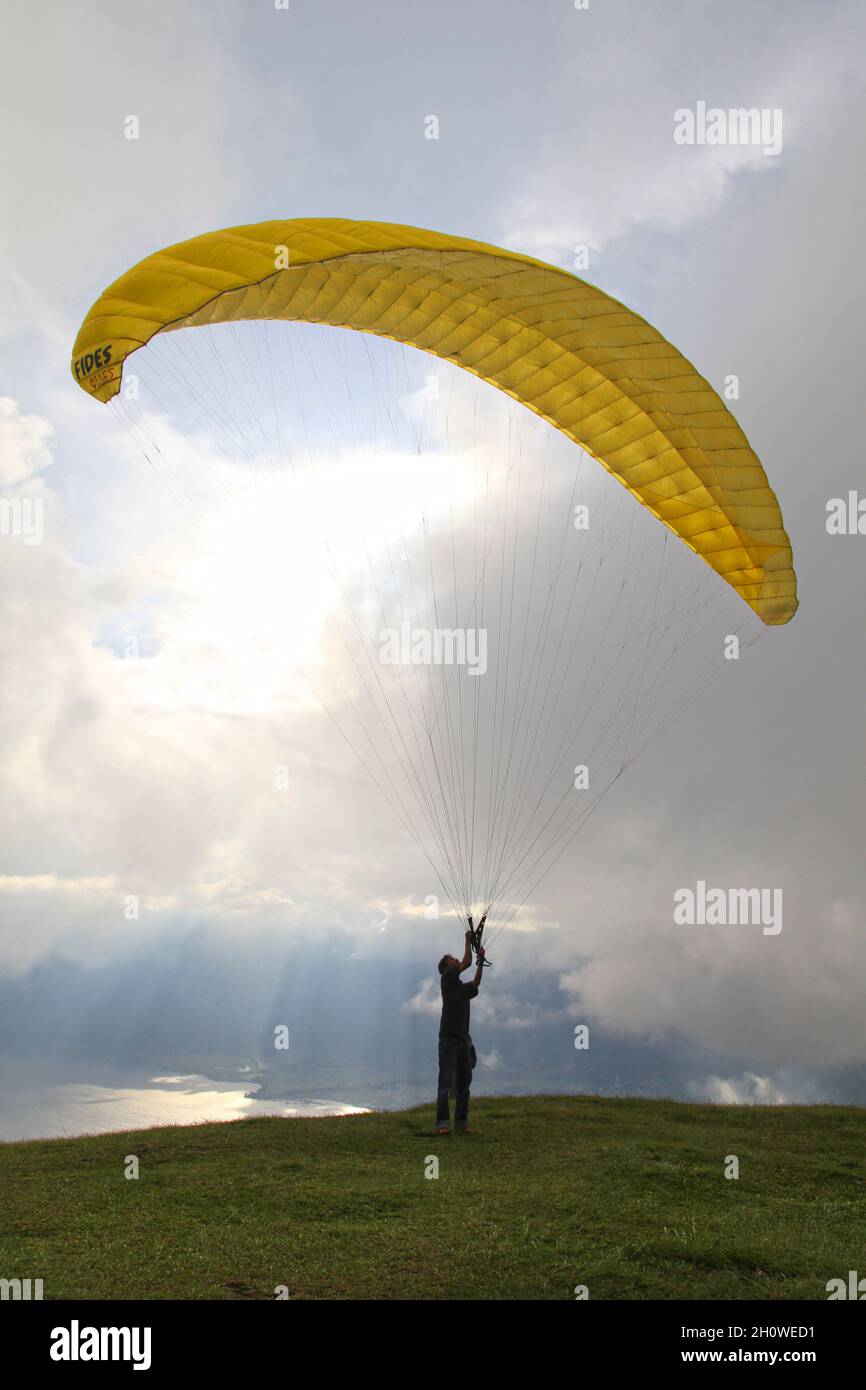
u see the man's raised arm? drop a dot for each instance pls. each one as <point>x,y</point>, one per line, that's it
<point>479,969</point>
<point>467,954</point>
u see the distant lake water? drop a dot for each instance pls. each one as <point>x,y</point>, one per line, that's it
<point>44,1098</point>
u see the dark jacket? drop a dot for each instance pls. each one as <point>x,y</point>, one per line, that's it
<point>456,997</point>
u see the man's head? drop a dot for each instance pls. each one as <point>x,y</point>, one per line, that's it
<point>448,963</point>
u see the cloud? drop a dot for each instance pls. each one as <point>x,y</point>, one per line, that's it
<point>25,443</point>
<point>426,1000</point>
<point>153,774</point>
<point>609,167</point>
<point>750,1089</point>
<point>793,997</point>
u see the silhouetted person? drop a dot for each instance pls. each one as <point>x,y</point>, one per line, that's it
<point>456,1053</point>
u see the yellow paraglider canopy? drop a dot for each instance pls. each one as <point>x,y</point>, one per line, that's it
<point>592,368</point>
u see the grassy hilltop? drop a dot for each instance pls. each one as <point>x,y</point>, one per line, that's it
<point>625,1196</point>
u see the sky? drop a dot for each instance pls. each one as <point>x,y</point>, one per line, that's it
<point>153,779</point>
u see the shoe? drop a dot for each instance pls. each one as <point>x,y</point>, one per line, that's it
<point>464,1129</point>
<point>443,1129</point>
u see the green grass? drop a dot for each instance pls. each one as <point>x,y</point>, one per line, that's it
<point>625,1196</point>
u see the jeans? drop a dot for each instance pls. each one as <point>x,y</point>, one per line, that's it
<point>455,1071</point>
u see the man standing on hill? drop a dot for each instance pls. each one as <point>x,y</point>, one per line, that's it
<point>456,1053</point>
